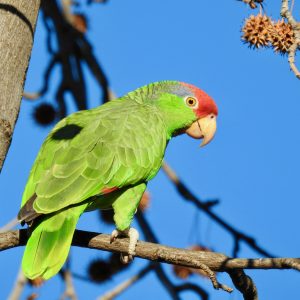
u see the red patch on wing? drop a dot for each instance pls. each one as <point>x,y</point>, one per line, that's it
<point>206,104</point>
<point>108,190</point>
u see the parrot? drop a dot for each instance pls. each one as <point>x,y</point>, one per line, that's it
<point>103,158</point>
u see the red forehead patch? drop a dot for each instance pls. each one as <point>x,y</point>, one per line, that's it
<point>206,104</point>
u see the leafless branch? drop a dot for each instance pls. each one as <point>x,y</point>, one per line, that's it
<point>159,271</point>
<point>244,284</point>
<point>126,284</point>
<point>31,96</point>
<point>69,292</point>
<point>9,225</point>
<point>206,207</point>
<point>155,252</point>
<point>286,13</point>
<point>18,287</point>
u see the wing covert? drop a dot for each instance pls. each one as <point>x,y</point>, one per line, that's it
<point>116,146</point>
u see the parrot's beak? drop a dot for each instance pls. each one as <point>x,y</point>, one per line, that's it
<point>204,128</point>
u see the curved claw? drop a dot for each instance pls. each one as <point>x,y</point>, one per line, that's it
<point>133,236</point>
<point>126,258</point>
<point>115,233</point>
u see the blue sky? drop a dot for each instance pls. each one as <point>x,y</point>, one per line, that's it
<point>252,165</point>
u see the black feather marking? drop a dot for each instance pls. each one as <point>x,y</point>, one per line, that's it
<point>67,132</point>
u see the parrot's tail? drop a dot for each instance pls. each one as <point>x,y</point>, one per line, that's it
<point>49,244</point>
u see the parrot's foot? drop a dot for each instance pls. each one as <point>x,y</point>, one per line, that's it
<point>133,236</point>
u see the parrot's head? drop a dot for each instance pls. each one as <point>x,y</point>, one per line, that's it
<point>185,108</point>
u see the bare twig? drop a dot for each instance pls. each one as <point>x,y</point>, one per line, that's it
<point>47,73</point>
<point>69,292</point>
<point>10,225</point>
<point>159,271</point>
<point>188,195</point>
<point>18,287</point>
<point>73,50</point>
<point>286,13</point>
<point>66,9</point>
<point>194,288</point>
<point>126,284</point>
<point>31,96</point>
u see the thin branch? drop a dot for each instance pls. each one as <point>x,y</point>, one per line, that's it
<point>194,288</point>
<point>66,9</point>
<point>10,225</point>
<point>116,291</point>
<point>188,195</point>
<point>286,13</point>
<point>159,271</point>
<point>244,284</point>
<point>69,292</point>
<point>44,89</point>
<point>18,287</point>
<point>159,253</point>
<point>31,96</point>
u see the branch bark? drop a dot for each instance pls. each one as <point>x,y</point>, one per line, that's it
<point>156,252</point>
<point>17,25</point>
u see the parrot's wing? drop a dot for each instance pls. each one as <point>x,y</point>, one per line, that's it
<point>91,151</point>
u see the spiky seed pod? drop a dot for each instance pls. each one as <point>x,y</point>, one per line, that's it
<point>99,270</point>
<point>44,114</point>
<point>145,201</point>
<point>256,31</point>
<point>281,36</point>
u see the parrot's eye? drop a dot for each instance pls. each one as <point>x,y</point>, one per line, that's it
<point>191,101</point>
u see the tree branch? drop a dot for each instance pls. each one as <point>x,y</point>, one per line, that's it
<point>159,271</point>
<point>160,253</point>
<point>17,24</point>
<point>287,14</point>
<point>18,287</point>
<point>206,207</point>
<point>120,288</point>
<point>244,284</point>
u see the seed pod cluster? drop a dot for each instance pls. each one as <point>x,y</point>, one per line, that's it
<point>260,31</point>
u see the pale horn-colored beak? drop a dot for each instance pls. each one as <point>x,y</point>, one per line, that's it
<point>204,128</point>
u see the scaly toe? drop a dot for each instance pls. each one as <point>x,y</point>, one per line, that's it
<point>133,238</point>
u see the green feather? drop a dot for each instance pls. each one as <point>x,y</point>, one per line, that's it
<point>120,144</point>
<point>49,244</point>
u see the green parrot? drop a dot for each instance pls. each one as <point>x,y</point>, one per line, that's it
<point>103,158</point>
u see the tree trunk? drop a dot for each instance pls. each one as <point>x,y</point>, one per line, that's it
<point>17,25</point>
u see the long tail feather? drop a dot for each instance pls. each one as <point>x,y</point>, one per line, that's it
<point>49,244</point>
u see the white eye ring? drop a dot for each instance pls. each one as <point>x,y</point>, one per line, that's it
<point>191,101</point>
